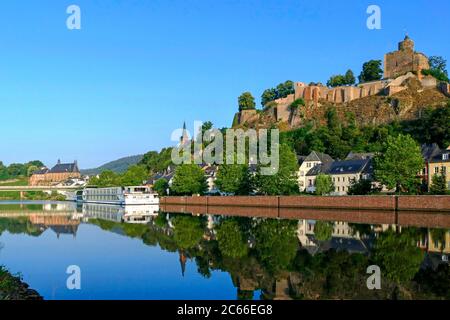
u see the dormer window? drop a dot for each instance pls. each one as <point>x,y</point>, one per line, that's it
<point>445,156</point>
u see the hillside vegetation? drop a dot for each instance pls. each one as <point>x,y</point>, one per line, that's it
<point>118,166</point>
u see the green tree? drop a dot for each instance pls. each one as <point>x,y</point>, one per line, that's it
<point>233,178</point>
<point>297,104</point>
<point>134,176</point>
<point>284,181</point>
<point>371,71</point>
<point>285,89</point>
<point>31,169</point>
<point>189,179</point>
<point>246,101</point>
<point>360,187</point>
<point>17,169</point>
<point>161,186</point>
<point>439,75</point>
<point>336,81</point>
<point>397,255</point>
<point>268,95</point>
<point>157,161</point>
<point>232,242</point>
<point>438,184</point>
<point>324,184</point>
<point>107,178</point>
<point>399,162</point>
<point>349,78</point>
<point>439,64</point>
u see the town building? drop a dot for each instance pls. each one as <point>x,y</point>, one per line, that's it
<point>307,163</point>
<point>343,173</point>
<point>347,172</point>
<point>58,174</point>
<point>437,161</point>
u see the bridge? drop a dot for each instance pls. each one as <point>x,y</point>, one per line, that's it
<point>68,190</point>
<point>40,188</point>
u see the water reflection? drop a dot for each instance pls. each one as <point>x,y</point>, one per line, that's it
<point>274,258</point>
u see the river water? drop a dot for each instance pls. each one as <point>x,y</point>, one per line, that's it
<point>143,253</point>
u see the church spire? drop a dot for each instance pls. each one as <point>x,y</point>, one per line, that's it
<point>184,137</point>
<point>182,262</point>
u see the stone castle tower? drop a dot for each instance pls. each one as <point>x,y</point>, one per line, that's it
<point>404,60</point>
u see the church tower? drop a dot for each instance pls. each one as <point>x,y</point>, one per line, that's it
<point>184,139</point>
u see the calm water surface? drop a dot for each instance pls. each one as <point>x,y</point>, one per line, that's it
<point>141,253</point>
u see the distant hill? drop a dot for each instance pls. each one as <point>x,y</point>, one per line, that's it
<point>119,166</point>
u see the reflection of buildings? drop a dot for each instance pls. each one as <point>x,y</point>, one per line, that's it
<point>437,241</point>
<point>58,223</point>
<point>343,237</point>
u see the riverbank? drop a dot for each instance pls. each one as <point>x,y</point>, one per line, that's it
<point>13,288</point>
<point>31,195</point>
<point>390,203</point>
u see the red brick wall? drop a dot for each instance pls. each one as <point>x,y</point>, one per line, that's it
<point>433,203</point>
<point>356,202</point>
<point>438,203</point>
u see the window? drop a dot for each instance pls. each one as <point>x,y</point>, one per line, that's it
<point>445,156</point>
<point>443,169</point>
<point>436,170</point>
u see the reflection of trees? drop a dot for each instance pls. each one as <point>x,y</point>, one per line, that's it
<point>397,255</point>
<point>439,236</point>
<point>231,239</point>
<point>20,225</point>
<point>436,281</point>
<point>276,243</point>
<point>188,231</point>
<point>323,230</point>
<point>273,258</point>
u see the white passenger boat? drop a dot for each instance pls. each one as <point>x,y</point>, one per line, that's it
<point>135,195</point>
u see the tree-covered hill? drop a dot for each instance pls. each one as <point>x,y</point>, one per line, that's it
<point>119,166</point>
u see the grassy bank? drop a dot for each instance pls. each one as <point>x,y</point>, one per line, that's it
<point>31,195</point>
<point>22,181</point>
<point>13,288</point>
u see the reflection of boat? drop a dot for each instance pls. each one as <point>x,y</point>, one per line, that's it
<point>140,214</point>
<point>139,195</point>
<point>116,213</point>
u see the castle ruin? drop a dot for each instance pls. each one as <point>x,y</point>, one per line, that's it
<point>399,66</point>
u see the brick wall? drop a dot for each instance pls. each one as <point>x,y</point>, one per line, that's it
<point>431,203</point>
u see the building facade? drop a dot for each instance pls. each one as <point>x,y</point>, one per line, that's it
<point>343,173</point>
<point>59,173</point>
<point>437,162</point>
<point>307,163</point>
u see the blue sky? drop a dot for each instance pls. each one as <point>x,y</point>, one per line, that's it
<point>138,68</point>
